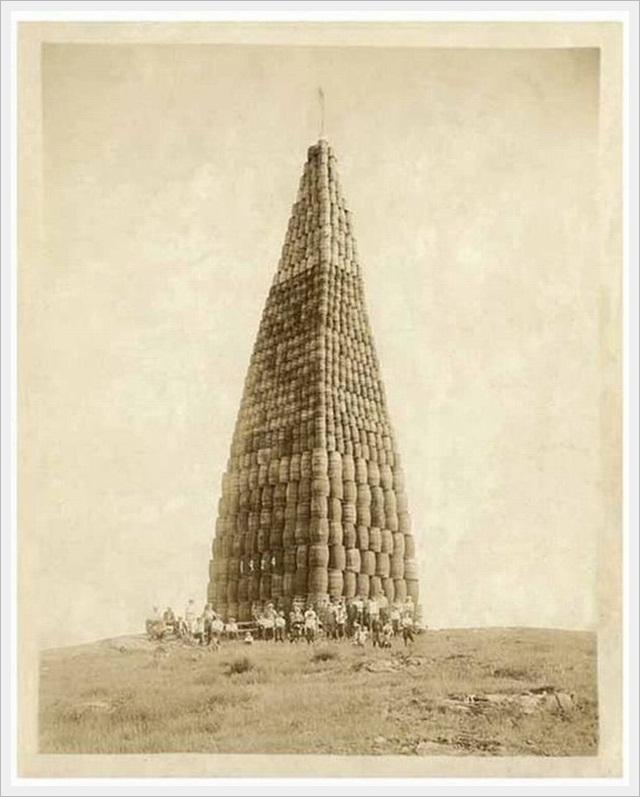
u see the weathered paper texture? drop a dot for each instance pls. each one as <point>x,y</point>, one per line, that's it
<point>146,248</point>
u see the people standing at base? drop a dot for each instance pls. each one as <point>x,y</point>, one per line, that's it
<point>216,629</point>
<point>395,616</point>
<point>407,628</point>
<point>409,607</point>
<point>296,623</point>
<point>268,622</point>
<point>386,635</point>
<point>360,634</point>
<point>198,630</point>
<point>207,616</point>
<point>231,629</point>
<point>376,632</point>
<point>358,607</point>
<point>279,626</point>
<point>169,619</point>
<point>310,624</point>
<point>190,616</point>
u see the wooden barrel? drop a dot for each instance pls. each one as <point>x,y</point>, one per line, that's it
<point>303,510</point>
<point>294,467</point>
<point>275,539</point>
<point>290,558</point>
<point>335,509</point>
<point>362,585</point>
<point>288,584</point>
<point>373,473</point>
<point>349,584</point>
<point>335,581</point>
<point>400,587</point>
<point>353,560</point>
<point>388,587</point>
<point>337,557</point>
<point>244,612</point>
<point>396,566</point>
<point>362,471</point>
<point>305,465</point>
<point>404,522</point>
<point>349,491</point>
<point>284,470</point>
<point>301,533</point>
<point>319,531</point>
<point>319,462</point>
<point>277,581</point>
<point>301,582</point>
<point>410,570</point>
<point>398,544</point>
<point>232,590</point>
<point>375,539</point>
<point>368,566</point>
<point>391,521</point>
<point>243,588</point>
<point>349,536</point>
<point>363,516</point>
<point>318,580</point>
<point>375,588</point>
<point>409,546</point>
<point>348,468</point>
<point>413,589</point>
<point>320,486</point>
<point>390,502</point>
<point>387,541</point>
<point>363,497</point>
<point>348,512</point>
<point>386,477</point>
<point>336,487</point>
<point>265,586</point>
<point>302,557</point>
<point>363,537</point>
<point>319,506</point>
<point>383,565</point>
<point>318,556</point>
<point>335,465</point>
<point>304,489</point>
<point>336,533</point>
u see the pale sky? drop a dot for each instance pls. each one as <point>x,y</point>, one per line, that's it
<point>170,171</point>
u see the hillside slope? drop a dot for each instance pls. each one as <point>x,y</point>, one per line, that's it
<point>454,692</point>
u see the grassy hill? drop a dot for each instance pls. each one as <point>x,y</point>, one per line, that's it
<point>454,692</point>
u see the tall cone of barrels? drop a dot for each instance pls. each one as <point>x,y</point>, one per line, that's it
<point>312,504</point>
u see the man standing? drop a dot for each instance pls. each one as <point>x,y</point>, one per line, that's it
<point>407,628</point>
<point>310,624</point>
<point>280,624</point>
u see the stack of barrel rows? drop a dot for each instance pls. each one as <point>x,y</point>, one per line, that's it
<point>320,228</point>
<point>313,500</point>
<point>311,525</point>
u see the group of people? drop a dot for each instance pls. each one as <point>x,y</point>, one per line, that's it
<point>206,628</point>
<point>356,619</point>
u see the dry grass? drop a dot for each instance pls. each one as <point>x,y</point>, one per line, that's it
<point>131,696</point>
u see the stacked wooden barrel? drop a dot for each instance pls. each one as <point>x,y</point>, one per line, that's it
<point>313,501</point>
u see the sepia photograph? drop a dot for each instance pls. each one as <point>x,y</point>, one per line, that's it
<point>320,399</point>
